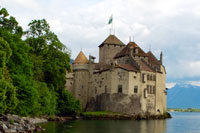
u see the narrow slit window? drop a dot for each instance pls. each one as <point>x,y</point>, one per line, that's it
<point>119,88</point>
<point>136,89</point>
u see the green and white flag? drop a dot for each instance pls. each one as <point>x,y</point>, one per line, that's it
<point>110,20</point>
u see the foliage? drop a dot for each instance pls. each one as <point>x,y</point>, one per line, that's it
<point>32,71</point>
<point>67,105</point>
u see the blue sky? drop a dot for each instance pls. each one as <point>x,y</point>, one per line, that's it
<point>171,26</point>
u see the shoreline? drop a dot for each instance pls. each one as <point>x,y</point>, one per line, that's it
<point>14,123</point>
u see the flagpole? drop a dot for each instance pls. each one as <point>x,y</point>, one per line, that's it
<point>112,23</point>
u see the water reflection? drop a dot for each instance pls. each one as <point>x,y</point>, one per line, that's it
<point>107,126</point>
<point>180,123</point>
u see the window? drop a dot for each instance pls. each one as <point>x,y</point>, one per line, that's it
<point>147,89</point>
<point>154,90</point>
<point>151,77</point>
<point>136,89</point>
<point>143,78</point>
<point>147,76</point>
<point>119,88</point>
<point>150,89</point>
<point>154,77</point>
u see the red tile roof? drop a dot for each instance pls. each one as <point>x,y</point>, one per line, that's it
<point>152,59</point>
<point>81,59</point>
<point>126,50</point>
<point>127,67</point>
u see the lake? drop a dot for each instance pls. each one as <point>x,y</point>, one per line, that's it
<point>182,122</point>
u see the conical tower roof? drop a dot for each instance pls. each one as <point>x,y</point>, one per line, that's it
<point>81,59</point>
<point>112,39</point>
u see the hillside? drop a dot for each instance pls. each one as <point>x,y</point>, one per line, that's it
<point>183,96</point>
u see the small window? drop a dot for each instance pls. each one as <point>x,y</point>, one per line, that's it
<point>135,89</point>
<point>151,89</point>
<point>154,90</point>
<point>154,77</point>
<point>151,77</point>
<point>119,88</point>
<point>148,77</point>
<point>147,89</point>
<point>143,78</point>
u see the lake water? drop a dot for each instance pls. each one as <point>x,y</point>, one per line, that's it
<point>182,122</point>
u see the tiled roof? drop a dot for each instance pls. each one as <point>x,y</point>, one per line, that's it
<point>127,67</point>
<point>99,66</point>
<point>126,50</point>
<point>81,59</point>
<point>112,39</point>
<point>152,59</point>
<point>144,66</point>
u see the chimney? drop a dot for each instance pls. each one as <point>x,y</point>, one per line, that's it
<point>161,58</point>
<point>131,51</point>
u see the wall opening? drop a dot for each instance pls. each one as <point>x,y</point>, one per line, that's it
<point>136,89</point>
<point>119,88</point>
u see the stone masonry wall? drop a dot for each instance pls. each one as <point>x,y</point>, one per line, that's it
<point>107,52</point>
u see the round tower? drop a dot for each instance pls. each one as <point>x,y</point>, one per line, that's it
<point>80,69</point>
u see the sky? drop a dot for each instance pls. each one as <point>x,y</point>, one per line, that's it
<point>170,26</point>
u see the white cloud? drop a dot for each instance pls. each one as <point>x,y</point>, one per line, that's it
<point>171,26</point>
<point>170,85</point>
<point>195,83</point>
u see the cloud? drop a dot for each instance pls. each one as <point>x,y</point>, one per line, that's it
<point>171,26</point>
<point>195,83</point>
<point>170,85</point>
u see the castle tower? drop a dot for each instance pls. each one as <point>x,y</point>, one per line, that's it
<point>109,48</point>
<point>81,77</point>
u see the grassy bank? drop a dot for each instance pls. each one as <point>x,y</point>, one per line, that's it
<point>102,115</point>
<point>99,114</point>
<point>183,110</point>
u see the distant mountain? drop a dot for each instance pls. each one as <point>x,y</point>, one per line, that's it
<point>183,96</point>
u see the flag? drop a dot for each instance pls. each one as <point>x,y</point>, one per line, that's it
<point>110,20</point>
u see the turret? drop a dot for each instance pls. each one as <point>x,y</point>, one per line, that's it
<point>81,78</point>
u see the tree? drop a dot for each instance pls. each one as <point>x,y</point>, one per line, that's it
<point>32,72</point>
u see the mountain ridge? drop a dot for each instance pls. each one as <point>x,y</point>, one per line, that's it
<point>183,96</point>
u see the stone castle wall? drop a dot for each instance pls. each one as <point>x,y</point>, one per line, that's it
<point>108,51</point>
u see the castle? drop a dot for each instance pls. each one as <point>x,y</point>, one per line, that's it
<point>126,79</point>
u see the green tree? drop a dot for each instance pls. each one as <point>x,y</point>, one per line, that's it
<point>67,104</point>
<point>8,99</point>
<point>54,60</point>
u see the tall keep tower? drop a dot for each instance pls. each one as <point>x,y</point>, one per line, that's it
<point>109,48</point>
<point>81,76</point>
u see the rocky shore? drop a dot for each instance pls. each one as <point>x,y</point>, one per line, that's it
<point>16,124</point>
